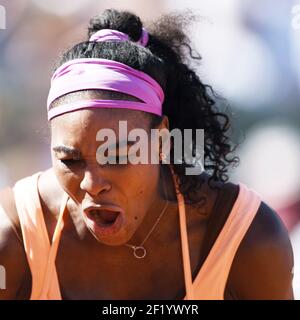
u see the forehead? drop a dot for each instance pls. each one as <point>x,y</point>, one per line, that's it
<point>77,127</point>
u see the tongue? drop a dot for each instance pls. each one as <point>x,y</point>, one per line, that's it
<point>104,216</point>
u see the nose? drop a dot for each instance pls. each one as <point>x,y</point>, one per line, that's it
<point>94,183</point>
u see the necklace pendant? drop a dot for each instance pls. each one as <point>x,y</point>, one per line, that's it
<point>142,253</point>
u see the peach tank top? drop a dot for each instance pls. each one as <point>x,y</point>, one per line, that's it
<point>209,283</point>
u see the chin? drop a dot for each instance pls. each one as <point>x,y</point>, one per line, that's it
<point>109,241</point>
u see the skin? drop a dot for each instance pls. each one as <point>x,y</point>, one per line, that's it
<point>88,182</point>
<point>261,268</point>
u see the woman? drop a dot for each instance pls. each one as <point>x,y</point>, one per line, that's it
<point>137,231</point>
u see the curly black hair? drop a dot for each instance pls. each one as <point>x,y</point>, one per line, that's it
<point>168,58</point>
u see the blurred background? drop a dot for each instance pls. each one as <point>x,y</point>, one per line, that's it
<point>251,56</point>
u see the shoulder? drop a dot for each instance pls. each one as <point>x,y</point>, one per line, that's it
<point>12,257</point>
<point>12,252</point>
<point>8,198</point>
<point>263,265</point>
<point>50,192</point>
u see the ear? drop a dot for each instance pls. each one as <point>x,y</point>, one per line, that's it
<point>164,123</point>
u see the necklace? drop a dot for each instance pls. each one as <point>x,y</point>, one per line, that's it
<point>140,248</point>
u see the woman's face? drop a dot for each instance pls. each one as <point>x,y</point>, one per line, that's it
<point>129,188</point>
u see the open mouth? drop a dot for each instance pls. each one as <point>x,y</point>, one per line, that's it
<point>103,217</point>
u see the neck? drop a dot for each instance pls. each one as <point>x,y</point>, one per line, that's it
<point>160,215</point>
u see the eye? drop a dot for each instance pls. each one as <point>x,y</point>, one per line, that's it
<point>70,162</point>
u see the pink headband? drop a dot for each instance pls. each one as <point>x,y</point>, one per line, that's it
<point>108,34</point>
<point>96,73</point>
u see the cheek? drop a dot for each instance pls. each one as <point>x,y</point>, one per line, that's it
<point>144,185</point>
<point>68,180</point>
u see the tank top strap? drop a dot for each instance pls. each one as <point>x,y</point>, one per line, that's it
<point>40,254</point>
<point>184,240</point>
<point>51,284</point>
<point>34,232</point>
<point>211,280</point>
<point>221,209</point>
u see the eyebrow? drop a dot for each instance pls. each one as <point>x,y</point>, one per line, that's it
<point>76,153</point>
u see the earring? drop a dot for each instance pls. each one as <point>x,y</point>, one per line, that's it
<point>162,157</point>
